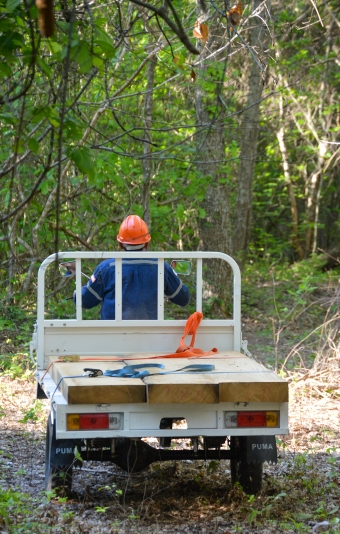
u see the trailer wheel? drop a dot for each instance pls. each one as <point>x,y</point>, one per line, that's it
<point>248,475</point>
<point>57,478</point>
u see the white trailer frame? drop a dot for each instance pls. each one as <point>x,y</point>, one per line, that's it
<point>65,337</point>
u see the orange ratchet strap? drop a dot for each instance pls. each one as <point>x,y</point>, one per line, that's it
<point>183,351</point>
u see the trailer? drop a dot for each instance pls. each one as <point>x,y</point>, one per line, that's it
<point>114,384</point>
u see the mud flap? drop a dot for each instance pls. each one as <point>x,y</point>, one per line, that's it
<point>261,449</point>
<point>40,393</point>
<point>62,452</point>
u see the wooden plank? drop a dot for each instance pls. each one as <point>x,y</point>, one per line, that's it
<point>257,390</point>
<point>186,393</point>
<point>110,391</point>
<point>96,390</point>
<point>235,378</point>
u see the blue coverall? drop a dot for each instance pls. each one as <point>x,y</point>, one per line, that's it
<point>139,289</point>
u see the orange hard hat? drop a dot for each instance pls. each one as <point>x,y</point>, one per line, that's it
<point>133,231</point>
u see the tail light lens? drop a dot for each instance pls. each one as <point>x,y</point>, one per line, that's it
<point>246,419</point>
<point>252,419</point>
<point>94,421</point>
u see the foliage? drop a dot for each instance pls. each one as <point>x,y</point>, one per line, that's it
<point>75,141</point>
<point>17,512</point>
<point>286,302</point>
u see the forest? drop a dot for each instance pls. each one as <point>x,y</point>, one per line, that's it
<point>218,124</point>
<point>222,136</point>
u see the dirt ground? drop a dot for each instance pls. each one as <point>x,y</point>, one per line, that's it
<point>300,494</point>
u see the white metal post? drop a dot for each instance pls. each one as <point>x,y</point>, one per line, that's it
<point>118,288</point>
<point>199,286</point>
<point>160,289</point>
<point>79,309</point>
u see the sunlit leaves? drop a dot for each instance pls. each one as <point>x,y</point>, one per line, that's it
<point>235,14</point>
<point>201,32</point>
<point>104,42</point>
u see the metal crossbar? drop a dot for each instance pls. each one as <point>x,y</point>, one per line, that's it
<point>121,329</point>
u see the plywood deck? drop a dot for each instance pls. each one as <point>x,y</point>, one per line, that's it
<point>236,378</point>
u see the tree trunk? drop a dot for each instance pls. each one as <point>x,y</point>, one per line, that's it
<point>290,186</point>
<point>313,192</point>
<point>215,227</point>
<point>147,161</point>
<point>248,146</point>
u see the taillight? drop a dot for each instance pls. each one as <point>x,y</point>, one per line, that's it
<point>251,419</point>
<point>93,421</point>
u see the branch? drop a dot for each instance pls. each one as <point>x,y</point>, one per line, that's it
<point>71,234</point>
<point>178,30</point>
<point>27,199</point>
<point>128,132</point>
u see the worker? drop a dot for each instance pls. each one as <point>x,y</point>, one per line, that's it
<point>139,278</point>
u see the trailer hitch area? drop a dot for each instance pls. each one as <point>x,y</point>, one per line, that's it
<point>92,373</point>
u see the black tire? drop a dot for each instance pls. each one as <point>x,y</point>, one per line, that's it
<point>58,479</point>
<point>248,475</point>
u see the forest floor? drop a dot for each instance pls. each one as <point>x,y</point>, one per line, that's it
<point>300,494</point>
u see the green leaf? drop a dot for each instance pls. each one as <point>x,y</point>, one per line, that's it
<point>82,159</point>
<point>8,118</point>
<point>63,25</point>
<point>18,148</point>
<point>44,67</point>
<point>99,63</point>
<point>72,129</point>
<point>300,516</point>
<point>107,48</point>
<point>52,115</point>
<point>105,42</point>
<point>11,5</point>
<point>5,70</point>
<point>56,49</point>
<point>102,35</point>
<point>84,58</point>
<point>33,145</point>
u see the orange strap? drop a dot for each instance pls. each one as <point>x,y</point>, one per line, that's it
<point>183,351</point>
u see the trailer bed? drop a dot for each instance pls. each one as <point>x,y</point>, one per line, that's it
<point>235,378</point>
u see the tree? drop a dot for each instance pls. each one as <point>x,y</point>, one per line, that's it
<point>250,129</point>
<point>215,226</point>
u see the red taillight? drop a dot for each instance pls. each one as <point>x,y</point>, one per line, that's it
<point>94,421</point>
<point>248,419</point>
<point>252,419</point>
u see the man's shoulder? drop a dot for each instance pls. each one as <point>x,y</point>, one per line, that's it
<point>105,264</point>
